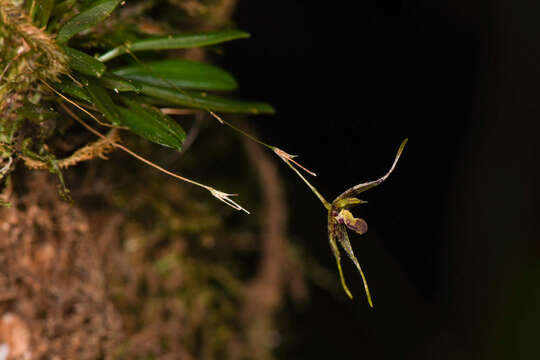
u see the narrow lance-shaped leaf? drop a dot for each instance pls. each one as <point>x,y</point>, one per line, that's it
<point>151,124</point>
<point>101,99</point>
<point>174,42</point>
<point>67,86</point>
<point>181,74</point>
<point>43,10</point>
<point>144,121</point>
<point>201,100</point>
<point>119,83</point>
<point>84,63</point>
<point>60,10</point>
<point>86,19</point>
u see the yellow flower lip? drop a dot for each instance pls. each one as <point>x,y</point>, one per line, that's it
<point>355,224</point>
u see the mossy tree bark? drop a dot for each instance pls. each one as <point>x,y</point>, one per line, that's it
<point>137,265</point>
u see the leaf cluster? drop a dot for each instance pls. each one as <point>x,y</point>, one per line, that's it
<point>126,94</point>
<point>88,68</point>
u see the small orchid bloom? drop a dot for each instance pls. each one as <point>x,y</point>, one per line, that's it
<point>340,218</point>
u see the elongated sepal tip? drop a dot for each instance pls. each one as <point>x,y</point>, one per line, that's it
<point>224,197</point>
<point>402,146</point>
<point>342,279</point>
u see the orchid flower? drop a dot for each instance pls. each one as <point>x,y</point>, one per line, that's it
<point>340,218</point>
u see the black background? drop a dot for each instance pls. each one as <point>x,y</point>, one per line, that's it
<point>451,253</point>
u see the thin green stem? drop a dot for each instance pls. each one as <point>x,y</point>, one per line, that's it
<point>312,188</point>
<point>248,135</point>
<point>111,54</point>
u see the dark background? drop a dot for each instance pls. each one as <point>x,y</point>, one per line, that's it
<point>451,254</point>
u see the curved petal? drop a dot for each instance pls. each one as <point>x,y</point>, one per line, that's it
<point>357,189</point>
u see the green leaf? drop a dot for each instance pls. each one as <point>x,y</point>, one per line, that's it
<point>63,7</point>
<point>86,19</point>
<point>67,86</point>
<point>202,100</point>
<point>118,83</point>
<point>59,12</point>
<point>143,120</point>
<point>181,74</point>
<point>85,4</point>
<point>43,12</point>
<point>101,99</point>
<point>174,42</point>
<point>151,124</point>
<point>84,63</point>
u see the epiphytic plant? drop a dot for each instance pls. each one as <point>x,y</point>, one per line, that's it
<point>49,80</point>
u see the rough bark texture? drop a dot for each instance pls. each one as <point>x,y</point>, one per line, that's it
<point>54,300</point>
